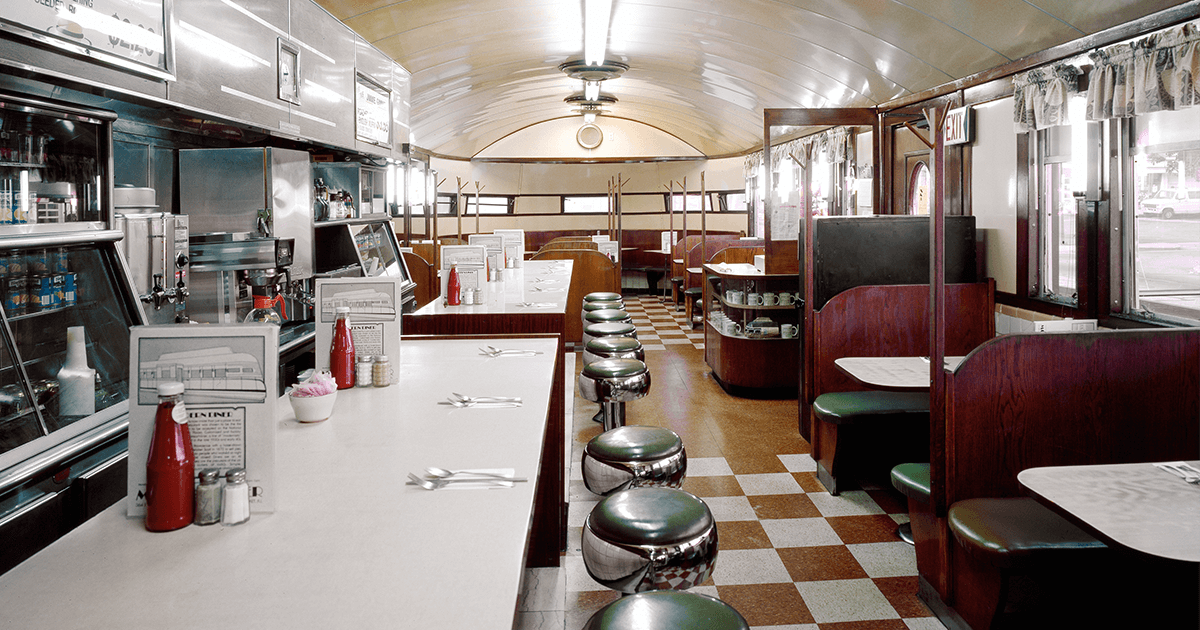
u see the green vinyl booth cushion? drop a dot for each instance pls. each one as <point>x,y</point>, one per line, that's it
<point>912,480</point>
<point>677,610</point>
<point>1017,532</point>
<point>853,407</point>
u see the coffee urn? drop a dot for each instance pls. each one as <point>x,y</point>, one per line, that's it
<point>156,251</point>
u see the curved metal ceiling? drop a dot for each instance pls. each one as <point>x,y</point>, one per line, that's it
<point>700,70</point>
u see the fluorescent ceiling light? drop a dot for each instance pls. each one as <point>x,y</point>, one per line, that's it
<point>589,117</point>
<point>591,90</point>
<point>595,29</point>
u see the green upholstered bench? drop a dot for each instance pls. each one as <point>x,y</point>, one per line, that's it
<point>912,480</point>
<point>667,609</point>
<point>862,432</point>
<point>1002,539</point>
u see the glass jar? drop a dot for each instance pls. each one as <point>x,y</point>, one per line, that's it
<point>363,371</point>
<point>235,499</point>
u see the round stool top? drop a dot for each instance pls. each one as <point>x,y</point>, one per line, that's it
<point>635,444</point>
<point>614,368</point>
<point>650,516</point>
<point>613,344</point>
<point>667,609</point>
<point>599,306</point>
<point>607,315</point>
<point>610,329</point>
<point>602,296</point>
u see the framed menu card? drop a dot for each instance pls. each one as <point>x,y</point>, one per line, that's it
<point>230,375</point>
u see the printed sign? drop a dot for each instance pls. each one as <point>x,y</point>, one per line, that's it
<point>373,106</point>
<point>374,316</point>
<point>128,33</point>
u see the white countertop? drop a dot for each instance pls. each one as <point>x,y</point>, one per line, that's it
<point>350,546</point>
<point>537,286</point>
<point>1134,505</point>
<point>892,373</point>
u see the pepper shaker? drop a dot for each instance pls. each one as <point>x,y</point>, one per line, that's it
<point>381,371</point>
<point>235,508</point>
<point>208,497</point>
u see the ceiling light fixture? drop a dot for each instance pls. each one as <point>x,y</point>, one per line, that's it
<point>596,14</point>
<point>591,90</point>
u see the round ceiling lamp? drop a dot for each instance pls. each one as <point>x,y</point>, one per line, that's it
<point>584,71</point>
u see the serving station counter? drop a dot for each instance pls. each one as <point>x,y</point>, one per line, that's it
<point>349,545</point>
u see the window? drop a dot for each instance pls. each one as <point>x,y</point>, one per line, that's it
<point>918,189</point>
<point>693,202</point>
<point>733,202</point>
<point>1061,174</point>
<point>596,204</point>
<point>484,205</point>
<point>1162,217</point>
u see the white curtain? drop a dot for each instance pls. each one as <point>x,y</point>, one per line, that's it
<point>1156,73</point>
<point>1040,96</point>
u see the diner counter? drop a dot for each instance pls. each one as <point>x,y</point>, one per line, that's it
<point>349,545</point>
<point>537,286</point>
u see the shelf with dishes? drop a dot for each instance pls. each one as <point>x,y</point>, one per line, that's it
<point>751,327</point>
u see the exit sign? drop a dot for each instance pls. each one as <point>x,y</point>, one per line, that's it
<point>957,129</point>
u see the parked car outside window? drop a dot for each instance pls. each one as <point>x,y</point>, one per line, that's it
<point>1169,203</point>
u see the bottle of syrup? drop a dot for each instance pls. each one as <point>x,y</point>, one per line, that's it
<point>453,287</point>
<point>341,353</point>
<point>171,465</point>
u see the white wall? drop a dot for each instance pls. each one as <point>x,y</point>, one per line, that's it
<point>557,139</point>
<point>994,189</point>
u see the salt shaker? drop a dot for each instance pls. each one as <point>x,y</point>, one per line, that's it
<point>235,500</point>
<point>362,371</point>
<point>208,497</point>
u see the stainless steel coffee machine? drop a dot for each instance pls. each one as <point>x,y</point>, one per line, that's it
<point>250,213</point>
<point>156,250</point>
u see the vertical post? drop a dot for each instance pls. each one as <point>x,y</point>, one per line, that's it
<point>478,188</point>
<point>458,205</point>
<point>620,229</point>
<point>937,311</point>
<point>432,220</point>
<point>703,222</point>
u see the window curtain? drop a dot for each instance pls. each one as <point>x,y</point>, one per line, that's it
<point>1156,73</point>
<point>1040,96</point>
<point>751,164</point>
<point>835,142</point>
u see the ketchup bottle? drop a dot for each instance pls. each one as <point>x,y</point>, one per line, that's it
<point>171,466</point>
<point>341,353</point>
<point>453,287</point>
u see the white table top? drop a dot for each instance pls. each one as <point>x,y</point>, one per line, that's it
<point>735,269</point>
<point>1133,505</point>
<point>537,286</point>
<point>892,373</point>
<point>350,546</point>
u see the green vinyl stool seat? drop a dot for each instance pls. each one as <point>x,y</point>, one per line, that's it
<point>608,329</point>
<point>613,382</point>
<point>633,456</point>
<point>912,480</point>
<point>676,610</point>
<point>645,539</point>
<point>602,296</point>
<point>612,348</point>
<point>599,306</point>
<point>607,316</point>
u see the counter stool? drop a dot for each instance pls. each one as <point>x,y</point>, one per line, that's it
<point>645,539</point>
<point>912,480</point>
<point>617,329</point>
<point>612,382</point>
<point>612,348</point>
<point>606,316</point>
<point>633,457</point>
<point>602,296</point>
<point>667,609</point>
<point>599,306</point>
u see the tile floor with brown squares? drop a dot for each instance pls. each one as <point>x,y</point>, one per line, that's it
<point>791,557</point>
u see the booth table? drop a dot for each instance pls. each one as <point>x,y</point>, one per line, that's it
<point>897,374</point>
<point>349,545</point>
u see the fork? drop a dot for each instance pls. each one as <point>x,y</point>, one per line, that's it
<point>1187,474</point>
<point>436,484</point>
<point>485,399</point>
<point>482,405</point>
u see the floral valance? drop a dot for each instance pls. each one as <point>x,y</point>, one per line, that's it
<point>835,142</point>
<point>1040,96</point>
<point>1156,73</point>
<point>751,164</point>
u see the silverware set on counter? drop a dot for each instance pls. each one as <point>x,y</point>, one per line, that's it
<point>437,478</point>
<point>493,351</point>
<point>456,399</point>
<point>1183,470</point>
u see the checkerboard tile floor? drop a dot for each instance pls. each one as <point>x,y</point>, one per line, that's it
<point>791,556</point>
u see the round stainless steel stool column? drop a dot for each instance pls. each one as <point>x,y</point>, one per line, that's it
<point>633,457</point>
<point>667,609</point>
<point>612,348</point>
<point>618,329</point>
<point>612,382</point>
<point>645,539</point>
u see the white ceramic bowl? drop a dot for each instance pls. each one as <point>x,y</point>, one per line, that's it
<point>313,408</point>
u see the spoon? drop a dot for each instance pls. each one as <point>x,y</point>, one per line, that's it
<point>488,405</point>
<point>436,484</point>
<point>442,473</point>
<point>470,399</point>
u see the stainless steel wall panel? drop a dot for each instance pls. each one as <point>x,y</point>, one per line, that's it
<point>327,51</point>
<point>227,58</point>
<point>401,106</point>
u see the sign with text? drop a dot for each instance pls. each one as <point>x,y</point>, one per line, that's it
<point>131,34</point>
<point>230,375</point>
<point>957,129</point>
<point>373,113</point>
<point>374,316</point>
